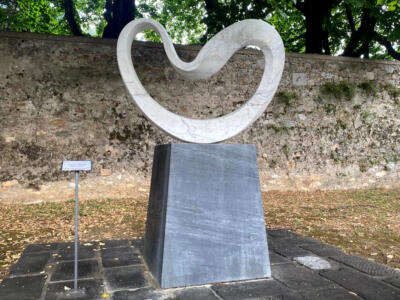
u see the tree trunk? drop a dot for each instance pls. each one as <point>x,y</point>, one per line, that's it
<point>70,14</point>
<point>212,20</point>
<point>314,33</point>
<point>210,5</point>
<point>317,15</point>
<point>118,13</point>
<point>363,35</point>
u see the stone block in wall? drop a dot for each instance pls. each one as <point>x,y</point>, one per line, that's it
<point>369,76</point>
<point>299,79</point>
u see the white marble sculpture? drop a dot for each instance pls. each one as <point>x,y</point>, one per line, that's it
<point>210,60</point>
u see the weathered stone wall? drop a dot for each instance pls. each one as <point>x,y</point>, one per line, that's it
<point>333,125</point>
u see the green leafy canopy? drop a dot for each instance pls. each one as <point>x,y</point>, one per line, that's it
<point>358,28</point>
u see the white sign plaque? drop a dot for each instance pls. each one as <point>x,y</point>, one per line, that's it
<point>76,165</point>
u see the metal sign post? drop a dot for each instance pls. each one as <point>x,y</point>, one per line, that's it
<point>73,165</point>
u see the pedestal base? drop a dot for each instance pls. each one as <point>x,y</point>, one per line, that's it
<point>205,220</point>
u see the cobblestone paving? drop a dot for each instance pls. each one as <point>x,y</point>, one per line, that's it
<point>302,268</point>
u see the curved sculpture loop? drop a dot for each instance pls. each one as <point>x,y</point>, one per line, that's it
<point>211,58</point>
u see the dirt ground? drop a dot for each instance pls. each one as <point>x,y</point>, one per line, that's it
<point>361,222</point>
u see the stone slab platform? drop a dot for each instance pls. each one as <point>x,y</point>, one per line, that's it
<point>302,268</point>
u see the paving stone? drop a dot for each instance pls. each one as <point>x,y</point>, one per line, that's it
<point>299,278</point>
<point>275,258</point>
<point>313,262</point>
<point>364,265</point>
<point>66,251</point>
<point>117,257</point>
<point>394,281</point>
<point>367,287</point>
<point>118,252</point>
<point>286,248</point>
<point>323,250</point>
<point>199,293</point>
<point>65,270</point>
<point>30,263</point>
<point>138,243</point>
<point>41,248</point>
<point>121,261</point>
<point>114,243</point>
<point>142,294</point>
<point>263,289</point>
<point>300,241</point>
<point>125,278</point>
<point>336,293</point>
<point>22,288</point>
<point>93,289</point>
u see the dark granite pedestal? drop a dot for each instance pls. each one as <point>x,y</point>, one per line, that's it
<point>205,220</point>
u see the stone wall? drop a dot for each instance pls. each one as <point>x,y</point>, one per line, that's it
<point>334,124</point>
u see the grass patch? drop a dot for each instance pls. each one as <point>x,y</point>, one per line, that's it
<point>365,163</point>
<point>287,97</point>
<point>369,88</point>
<point>393,91</point>
<point>330,108</point>
<point>341,124</point>
<point>278,129</point>
<point>339,90</point>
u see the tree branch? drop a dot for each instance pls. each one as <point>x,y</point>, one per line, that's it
<point>388,45</point>
<point>213,19</point>
<point>300,6</point>
<point>364,34</point>
<point>364,49</point>
<point>117,13</point>
<point>211,5</point>
<point>350,18</point>
<point>70,14</point>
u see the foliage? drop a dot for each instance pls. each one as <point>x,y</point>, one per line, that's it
<point>175,15</point>
<point>289,22</point>
<point>357,28</point>
<point>43,16</point>
<point>34,16</point>
<point>390,4</point>
<point>91,16</point>
<point>372,28</point>
<point>221,14</point>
